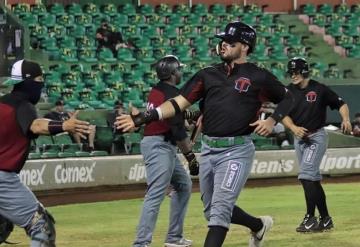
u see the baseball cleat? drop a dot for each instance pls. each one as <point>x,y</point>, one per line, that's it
<point>309,224</point>
<point>257,238</point>
<point>183,242</point>
<point>325,224</point>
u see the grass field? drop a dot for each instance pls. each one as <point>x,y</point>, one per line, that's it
<point>110,224</point>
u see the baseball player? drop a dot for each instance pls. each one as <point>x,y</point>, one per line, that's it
<point>20,125</point>
<point>306,120</point>
<point>163,168</point>
<point>231,95</point>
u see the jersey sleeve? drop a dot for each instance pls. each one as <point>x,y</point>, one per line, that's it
<point>276,92</point>
<point>194,89</point>
<point>25,115</point>
<point>332,99</point>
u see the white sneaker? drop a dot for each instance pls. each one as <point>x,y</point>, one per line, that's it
<point>183,242</point>
<point>257,238</point>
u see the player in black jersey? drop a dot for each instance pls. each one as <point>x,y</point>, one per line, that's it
<point>231,94</point>
<point>306,120</point>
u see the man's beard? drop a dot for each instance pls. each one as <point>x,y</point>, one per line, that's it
<point>229,58</point>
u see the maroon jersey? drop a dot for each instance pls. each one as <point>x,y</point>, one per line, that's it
<point>17,115</point>
<point>173,128</point>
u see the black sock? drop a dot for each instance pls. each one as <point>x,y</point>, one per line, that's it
<point>310,196</point>
<point>321,200</point>
<point>240,217</point>
<point>215,236</point>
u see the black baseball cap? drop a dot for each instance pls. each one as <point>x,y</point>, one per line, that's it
<point>22,70</point>
<point>59,102</point>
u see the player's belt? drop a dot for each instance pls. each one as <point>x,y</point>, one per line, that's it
<point>223,142</point>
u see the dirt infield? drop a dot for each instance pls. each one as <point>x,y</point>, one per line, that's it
<point>110,193</point>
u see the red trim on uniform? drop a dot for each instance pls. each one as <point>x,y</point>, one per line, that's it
<point>196,92</point>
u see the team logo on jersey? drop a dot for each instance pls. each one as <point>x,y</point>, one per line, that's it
<point>242,84</point>
<point>149,106</point>
<point>311,96</point>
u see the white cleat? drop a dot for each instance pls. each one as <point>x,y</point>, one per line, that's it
<point>257,238</point>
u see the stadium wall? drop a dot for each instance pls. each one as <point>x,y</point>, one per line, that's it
<point>54,174</point>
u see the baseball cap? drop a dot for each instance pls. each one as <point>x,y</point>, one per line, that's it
<point>21,70</point>
<point>59,102</point>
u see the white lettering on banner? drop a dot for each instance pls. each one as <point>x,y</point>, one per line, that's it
<point>137,172</point>
<point>272,166</point>
<point>83,174</point>
<point>341,162</point>
<point>32,177</point>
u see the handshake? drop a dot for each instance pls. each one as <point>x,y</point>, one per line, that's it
<point>192,162</point>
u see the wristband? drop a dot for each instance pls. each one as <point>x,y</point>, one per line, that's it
<point>55,127</point>
<point>145,117</point>
<point>175,105</point>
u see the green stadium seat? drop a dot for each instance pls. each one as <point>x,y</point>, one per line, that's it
<point>56,9</point>
<point>104,137</point>
<point>39,31</point>
<point>127,9</point>
<point>333,72</point>
<point>308,9</point>
<point>73,9</point>
<point>67,42</point>
<point>87,55</point>
<point>325,9</point>
<point>87,96</point>
<point>194,20</point>
<point>47,20</point>
<point>189,32</point>
<point>72,79</point>
<point>163,9</point>
<point>29,19</point>
<point>91,9</point>
<point>146,9</point>
<point>47,147</point>
<point>65,20</point>
<point>132,143</point>
<point>182,9</point>
<point>68,55</point>
<point>318,20</point>
<point>77,31</point>
<point>353,52</point>
<point>235,9</point>
<point>199,9</point>
<point>38,9</point>
<point>125,55</point>
<point>109,9</point>
<point>106,55</point>
<point>218,9</point>
<point>83,19</point>
<point>108,97</point>
<point>20,8</point>
<point>120,20</point>
<point>68,148</point>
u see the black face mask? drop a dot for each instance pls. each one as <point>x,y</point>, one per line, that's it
<point>30,88</point>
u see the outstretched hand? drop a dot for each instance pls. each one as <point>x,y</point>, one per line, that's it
<point>125,122</point>
<point>263,127</point>
<point>74,125</point>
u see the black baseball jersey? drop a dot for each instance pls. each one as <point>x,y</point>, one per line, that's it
<point>17,115</point>
<point>309,109</point>
<point>173,128</point>
<point>57,116</point>
<point>231,98</point>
